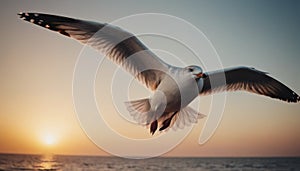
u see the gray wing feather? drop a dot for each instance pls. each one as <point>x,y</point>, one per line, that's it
<point>119,45</point>
<point>248,79</point>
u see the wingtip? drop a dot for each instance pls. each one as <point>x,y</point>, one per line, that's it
<point>21,15</point>
<point>24,15</point>
<point>36,19</point>
<point>298,99</point>
<point>294,99</point>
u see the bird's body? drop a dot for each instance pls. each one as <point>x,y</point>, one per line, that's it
<point>174,88</point>
<point>176,83</point>
<point>175,91</point>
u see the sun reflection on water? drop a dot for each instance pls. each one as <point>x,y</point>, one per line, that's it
<point>48,162</point>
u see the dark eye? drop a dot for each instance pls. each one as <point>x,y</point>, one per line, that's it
<point>191,69</point>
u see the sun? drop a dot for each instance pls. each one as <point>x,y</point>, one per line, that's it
<point>49,140</point>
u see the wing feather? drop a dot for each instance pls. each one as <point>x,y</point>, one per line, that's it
<point>247,79</point>
<point>117,44</point>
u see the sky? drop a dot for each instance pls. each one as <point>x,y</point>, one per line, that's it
<point>37,114</point>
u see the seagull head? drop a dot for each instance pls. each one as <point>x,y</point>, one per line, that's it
<point>196,71</point>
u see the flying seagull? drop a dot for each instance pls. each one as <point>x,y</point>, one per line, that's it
<point>173,87</point>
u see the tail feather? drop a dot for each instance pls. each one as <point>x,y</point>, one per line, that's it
<point>186,117</point>
<point>140,111</point>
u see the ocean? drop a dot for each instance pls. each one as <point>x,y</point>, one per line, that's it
<point>61,162</point>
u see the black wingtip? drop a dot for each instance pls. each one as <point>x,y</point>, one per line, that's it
<point>295,98</point>
<point>33,18</point>
<point>21,15</point>
<point>46,20</point>
<point>27,16</point>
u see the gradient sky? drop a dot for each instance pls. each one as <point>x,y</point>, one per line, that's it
<point>36,71</point>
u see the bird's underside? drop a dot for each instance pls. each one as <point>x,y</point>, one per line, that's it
<point>128,51</point>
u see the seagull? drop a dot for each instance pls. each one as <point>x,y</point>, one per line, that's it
<point>173,88</point>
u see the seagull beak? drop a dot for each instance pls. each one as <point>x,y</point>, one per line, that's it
<point>201,75</point>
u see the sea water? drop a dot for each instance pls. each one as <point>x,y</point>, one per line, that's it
<point>61,162</point>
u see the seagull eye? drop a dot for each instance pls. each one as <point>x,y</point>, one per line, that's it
<point>191,69</point>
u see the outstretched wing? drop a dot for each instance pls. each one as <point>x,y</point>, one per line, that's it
<point>248,79</point>
<point>119,45</point>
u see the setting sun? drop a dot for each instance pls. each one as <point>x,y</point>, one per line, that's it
<point>49,140</point>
